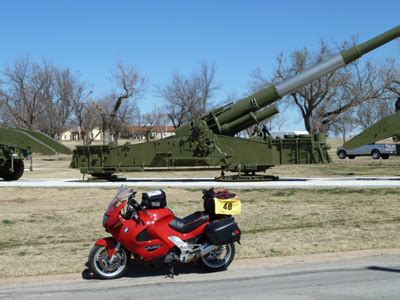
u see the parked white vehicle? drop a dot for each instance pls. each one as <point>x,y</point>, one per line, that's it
<point>375,150</point>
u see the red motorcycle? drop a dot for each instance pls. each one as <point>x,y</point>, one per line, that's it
<point>149,232</point>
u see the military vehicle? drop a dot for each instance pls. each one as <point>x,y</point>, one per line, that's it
<point>383,129</point>
<point>17,143</point>
<point>210,140</point>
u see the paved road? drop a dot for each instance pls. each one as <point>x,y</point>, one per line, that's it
<point>375,277</point>
<point>284,182</point>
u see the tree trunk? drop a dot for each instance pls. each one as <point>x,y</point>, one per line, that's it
<point>344,135</point>
<point>307,123</point>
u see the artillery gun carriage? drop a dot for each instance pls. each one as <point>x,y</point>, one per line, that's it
<point>210,140</point>
<point>17,143</point>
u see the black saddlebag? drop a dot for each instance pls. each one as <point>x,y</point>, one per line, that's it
<point>223,231</point>
<point>154,199</point>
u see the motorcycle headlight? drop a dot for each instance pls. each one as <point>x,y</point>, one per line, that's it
<point>105,219</point>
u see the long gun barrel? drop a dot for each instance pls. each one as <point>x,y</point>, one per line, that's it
<point>244,113</point>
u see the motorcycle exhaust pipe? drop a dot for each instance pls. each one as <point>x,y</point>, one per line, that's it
<point>206,249</point>
<point>184,247</point>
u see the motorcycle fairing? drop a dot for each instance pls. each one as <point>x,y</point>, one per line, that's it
<point>156,223</point>
<point>109,243</point>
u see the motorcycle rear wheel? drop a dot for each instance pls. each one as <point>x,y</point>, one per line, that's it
<point>100,266</point>
<point>219,259</point>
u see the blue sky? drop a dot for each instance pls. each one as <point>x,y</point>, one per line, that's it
<point>162,37</point>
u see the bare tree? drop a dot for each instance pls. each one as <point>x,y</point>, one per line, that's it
<point>188,97</point>
<point>371,111</point>
<point>40,96</point>
<point>23,88</point>
<point>129,86</point>
<point>276,122</point>
<point>127,114</point>
<point>155,120</point>
<point>157,117</point>
<point>391,75</point>
<point>344,125</point>
<point>5,118</point>
<point>59,102</point>
<point>86,119</point>
<point>323,101</point>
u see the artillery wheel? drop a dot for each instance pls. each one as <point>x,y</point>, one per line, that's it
<point>7,175</point>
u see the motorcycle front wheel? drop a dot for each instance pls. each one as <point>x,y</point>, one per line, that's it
<point>99,263</point>
<point>219,259</point>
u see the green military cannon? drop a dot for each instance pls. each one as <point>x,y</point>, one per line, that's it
<point>383,129</point>
<point>210,140</point>
<point>17,143</point>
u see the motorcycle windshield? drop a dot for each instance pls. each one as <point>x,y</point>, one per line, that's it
<point>122,194</point>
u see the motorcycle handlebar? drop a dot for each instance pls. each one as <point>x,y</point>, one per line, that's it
<point>135,205</point>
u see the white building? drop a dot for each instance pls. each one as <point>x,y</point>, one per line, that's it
<point>74,135</point>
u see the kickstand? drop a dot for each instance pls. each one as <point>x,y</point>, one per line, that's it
<point>171,271</point>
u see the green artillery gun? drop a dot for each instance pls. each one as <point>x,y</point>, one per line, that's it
<point>17,143</point>
<point>210,140</point>
<point>383,129</point>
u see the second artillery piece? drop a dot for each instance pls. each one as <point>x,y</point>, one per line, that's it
<point>388,127</point>
<point>18,143</point>
<point>210,140</point>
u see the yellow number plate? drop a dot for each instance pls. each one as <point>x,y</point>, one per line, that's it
<point>230,206</point>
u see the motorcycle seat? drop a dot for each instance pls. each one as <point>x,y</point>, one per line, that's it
<point>190,222</point>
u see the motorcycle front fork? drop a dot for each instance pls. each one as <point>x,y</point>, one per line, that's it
<point>116,249</point>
